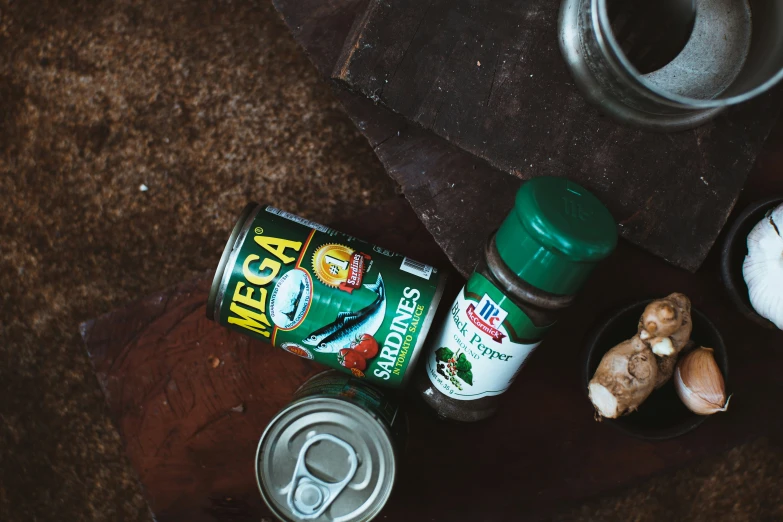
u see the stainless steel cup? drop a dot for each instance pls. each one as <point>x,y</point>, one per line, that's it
<point>734,53</point>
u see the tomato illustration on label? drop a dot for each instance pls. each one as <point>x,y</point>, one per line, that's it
<point>367,346</point>
<point>297,350</point>
<point>350,358</point>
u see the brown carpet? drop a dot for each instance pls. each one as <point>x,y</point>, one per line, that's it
<point>131,133</point>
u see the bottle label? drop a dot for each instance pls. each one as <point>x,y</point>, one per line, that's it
<point>482,344</point>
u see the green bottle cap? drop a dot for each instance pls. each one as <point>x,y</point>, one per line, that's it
<point>556,234</point>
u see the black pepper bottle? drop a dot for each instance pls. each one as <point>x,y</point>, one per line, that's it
<point>530,270</point>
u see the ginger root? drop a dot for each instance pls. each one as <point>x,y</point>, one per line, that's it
<point>625,377</point>
<point>629,372</point>
<point>666,366</point>
<point>665,325</point>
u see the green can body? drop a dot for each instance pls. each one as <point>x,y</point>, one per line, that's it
<point>325,295</point>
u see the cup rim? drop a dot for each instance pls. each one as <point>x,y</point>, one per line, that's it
<point>611,45</point>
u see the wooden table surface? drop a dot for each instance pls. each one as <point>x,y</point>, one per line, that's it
<point>488,76</point>
<point>651,182</point>
<point>191,429</point>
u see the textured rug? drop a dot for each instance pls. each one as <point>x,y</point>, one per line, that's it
<point>131,133</point>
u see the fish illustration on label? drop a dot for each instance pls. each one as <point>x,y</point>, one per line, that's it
<point>290,299</point>
<point>348,326</point>
<point>294,305</point>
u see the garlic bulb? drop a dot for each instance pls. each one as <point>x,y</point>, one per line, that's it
<point>699,382</point>
<point>763,267</point>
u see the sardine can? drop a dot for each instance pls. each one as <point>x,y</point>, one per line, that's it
<point>318,293</point>
<point>346,429</point>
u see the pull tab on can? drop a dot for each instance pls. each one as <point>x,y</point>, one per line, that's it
<point>309,496</point>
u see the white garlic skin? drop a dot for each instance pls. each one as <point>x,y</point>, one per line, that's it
<point>763,267</point>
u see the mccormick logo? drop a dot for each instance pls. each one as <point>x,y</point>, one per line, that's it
<point>487,316</point>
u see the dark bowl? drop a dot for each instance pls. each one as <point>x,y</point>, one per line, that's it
<point>735,248</point>
<point>662,415</point>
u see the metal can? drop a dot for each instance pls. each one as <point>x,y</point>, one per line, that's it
<point>324,295</point>
<point>332,453</point>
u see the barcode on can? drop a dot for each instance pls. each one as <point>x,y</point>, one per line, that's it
<point>416,268</point>
<point>297,219</point>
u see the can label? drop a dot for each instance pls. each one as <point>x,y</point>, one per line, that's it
<point>327,296</point>
<point>482,344</point>
<point>349,388</point>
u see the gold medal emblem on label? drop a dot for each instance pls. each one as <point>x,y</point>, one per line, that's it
<point>331,262</point>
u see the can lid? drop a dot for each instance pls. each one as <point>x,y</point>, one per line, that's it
<point>555,235</point>
<point>325,459</point>
<point>221,268</point>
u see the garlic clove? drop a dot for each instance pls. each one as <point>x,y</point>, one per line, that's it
<point>763,267</point>
<point>699,382</point>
